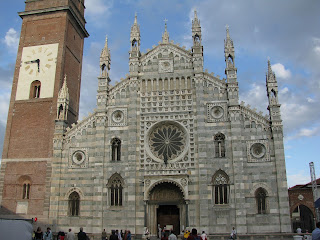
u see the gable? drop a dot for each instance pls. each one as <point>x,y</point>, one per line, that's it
<point>166,58</point>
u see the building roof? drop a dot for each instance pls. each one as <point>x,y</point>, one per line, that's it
<point>302,186</point>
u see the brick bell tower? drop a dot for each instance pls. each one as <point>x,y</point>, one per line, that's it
<point>51,46</point>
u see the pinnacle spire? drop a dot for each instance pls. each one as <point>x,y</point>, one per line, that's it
<point>227,31</point>
<point>105,51</point>
<point>165,35</point>
<point>195,14</point>
<point>228,42</point>
<point>271,76</point>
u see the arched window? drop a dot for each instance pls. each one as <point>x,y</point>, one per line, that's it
<point>116,149</point>
<point>221,187</point>
<point>261,198</point>
<point>26,191</point>
<point>197,38</point>
<point>116,188</point>
<point>74,204</point>
<point>219,145</point>
<point>35,89</point>
<point>134,43</point>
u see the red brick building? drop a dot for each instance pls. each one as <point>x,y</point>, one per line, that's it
<point>302,210</point>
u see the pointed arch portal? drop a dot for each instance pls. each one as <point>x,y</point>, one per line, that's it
<point>166,208</point>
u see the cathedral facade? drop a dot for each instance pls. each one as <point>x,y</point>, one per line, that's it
<point>170,145</point>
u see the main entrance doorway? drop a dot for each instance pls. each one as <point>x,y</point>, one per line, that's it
<point>168,217</point>
<point>166,207</point>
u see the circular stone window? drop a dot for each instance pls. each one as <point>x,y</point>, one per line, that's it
<point>78,157</point>
<point>258,150</point>
<point>117,116</point>
<point>166,141</point>
<point>217,112</point>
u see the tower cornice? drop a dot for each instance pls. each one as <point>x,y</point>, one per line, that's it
<point>77,16</point>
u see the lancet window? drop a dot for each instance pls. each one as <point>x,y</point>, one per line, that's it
<point>74,204</point>
<point>261,198</point>
<point>116,149</point>
<point>116,190</point>
<point>26,191</point>
<point>221,188</point>
<point>219,145</point>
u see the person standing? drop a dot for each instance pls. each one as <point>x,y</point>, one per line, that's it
<point>233,233</point>
<point>48,234</point>
<point>70,235</point>
<point>104,235</point>
<point>316,232</point>
<point>172,236</point>
<point>38,235</point>
<point>193,235</point>
<point>113,235</point>
<point>128,235</point>
<point>82,235</point>
<point>203,236</point>
<point>186,234</point>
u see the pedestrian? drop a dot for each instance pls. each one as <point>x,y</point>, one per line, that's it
<point>48,234</point>
<point>186,234</point>
<point>193,235</point>
<point>104,235</point>
<point>172,236</point>
<point>128,235</point>
<point>70,235</point>
<point>233,233</point>
<point>204,236</point>
<point>147,233</point>
<point>113,235</point>
<point>38,235</point>
<point>316,232</point>
<point>82,235</point>
<point>159,231</point>
<point>61,235</point>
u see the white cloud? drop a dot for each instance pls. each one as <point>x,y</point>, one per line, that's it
<point>297,178</point>
<point>284,90</point>
<point>4,106</point>
<point>280,71</point>
<point>310,100</point>
<point>12,39</point>
<point>256,97</point>
<point>305,132</point>
<point>97,11</point>
<point>316,42</point>
<point>317,49</point>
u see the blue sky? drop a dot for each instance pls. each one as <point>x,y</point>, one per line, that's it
<point>285,31</point>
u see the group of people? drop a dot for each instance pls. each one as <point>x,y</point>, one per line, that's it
<point>39,235</point>
<point>193,235</point>
<point>116,235</point>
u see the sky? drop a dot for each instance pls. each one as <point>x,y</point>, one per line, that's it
<point>287,32</point>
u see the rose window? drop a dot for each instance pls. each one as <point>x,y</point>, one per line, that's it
<point>167,141</point>
<point>258,150</point>
<point>217,112</point>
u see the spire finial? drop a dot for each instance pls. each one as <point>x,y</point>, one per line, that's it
<point>269,65</point>
<point>195,14</point>
<point>227,30</point>
<point>165,24</point>
<point>106,43</point>
<point>135,18</point>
